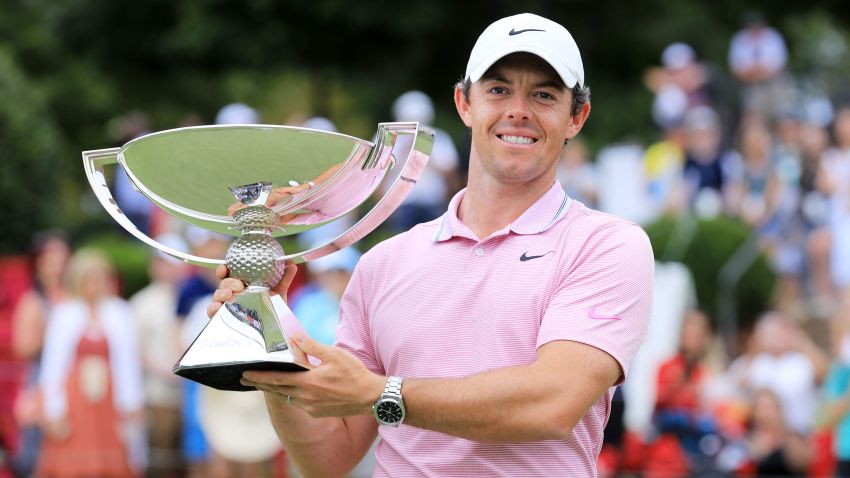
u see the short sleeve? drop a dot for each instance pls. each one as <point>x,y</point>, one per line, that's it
<point>353,332</point>
<point>605,298</point>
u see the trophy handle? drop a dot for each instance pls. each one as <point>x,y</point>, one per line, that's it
<point>94,161</point>
<point>414,164</point>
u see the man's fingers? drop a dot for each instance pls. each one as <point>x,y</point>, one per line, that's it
<point>221,271</point>
<point>213,308</point>
<point>284,382</point>
<point>311,347</point>
<point>298,355</point>
<point>289,271</point>
<point>227,288</point>
<point>222,295</point>
<point>231,284</point>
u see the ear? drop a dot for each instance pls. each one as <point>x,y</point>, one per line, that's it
<point>462,107</point>
<point>577,121</point>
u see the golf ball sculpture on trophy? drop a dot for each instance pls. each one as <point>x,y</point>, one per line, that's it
<point>259,183</point>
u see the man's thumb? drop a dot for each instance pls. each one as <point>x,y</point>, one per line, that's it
<point>311,347</point>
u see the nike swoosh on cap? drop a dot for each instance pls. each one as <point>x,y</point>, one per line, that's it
<point>525,257</point>
<point>517,32</point>
<point>596,316</point>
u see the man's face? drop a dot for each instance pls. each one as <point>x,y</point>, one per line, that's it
<point>519,113</point>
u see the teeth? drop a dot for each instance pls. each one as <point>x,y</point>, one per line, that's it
<point>517,139</point>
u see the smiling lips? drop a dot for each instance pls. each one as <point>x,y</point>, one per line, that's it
<point>517,139</point>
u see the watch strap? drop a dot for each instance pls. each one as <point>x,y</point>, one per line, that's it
<point>393,387</point>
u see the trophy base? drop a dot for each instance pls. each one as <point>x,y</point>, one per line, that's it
<point>222,351</point>
<point>225,376</point>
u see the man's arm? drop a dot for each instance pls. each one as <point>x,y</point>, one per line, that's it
<point>540,401</point>
<point>320,447</point>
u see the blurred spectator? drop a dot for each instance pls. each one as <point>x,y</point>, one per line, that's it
<point>835,183</point>
<point>439,179</point>
<point>814,140</point>
<point>788,244</point>
<point>316,305</point>
<point>680,390</point>
<point>814,209</point>
<point>708,165</point>
<point>774,447</point>
<point>757,58</point>
<point>753,194</point>
<point>49,258</point>
<point>577,174</point>
<point>679,85</point>
<point>91,379</point>
<point>784,359</point>
<point>154,309</point>
<point>663,166</point>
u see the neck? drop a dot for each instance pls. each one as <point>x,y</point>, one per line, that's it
<point>489,206</point>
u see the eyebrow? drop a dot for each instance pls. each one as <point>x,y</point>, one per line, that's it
<point>550,83</point>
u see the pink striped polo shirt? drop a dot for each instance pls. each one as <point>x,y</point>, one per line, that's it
<point>438,302</point>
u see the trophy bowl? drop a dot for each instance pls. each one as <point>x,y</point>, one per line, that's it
<point>259,183</point>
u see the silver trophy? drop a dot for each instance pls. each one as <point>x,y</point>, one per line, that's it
<point>258,183</point>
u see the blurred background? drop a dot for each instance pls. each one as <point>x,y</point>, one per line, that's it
<point>722,128</point>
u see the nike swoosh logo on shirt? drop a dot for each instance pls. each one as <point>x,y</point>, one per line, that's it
<point>525,257</point>
<point>596,316</point>
<point>517,32</point>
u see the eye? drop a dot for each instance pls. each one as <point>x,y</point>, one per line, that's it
<point>498,90</point>
<point>545,96</point>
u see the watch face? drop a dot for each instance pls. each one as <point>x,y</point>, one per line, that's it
<point>388,411</point>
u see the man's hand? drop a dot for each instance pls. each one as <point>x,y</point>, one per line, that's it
<point>229,287</point>
<point>341,386</point>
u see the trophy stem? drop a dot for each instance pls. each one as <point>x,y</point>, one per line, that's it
<point>252,258</point>
<point>256,318</point>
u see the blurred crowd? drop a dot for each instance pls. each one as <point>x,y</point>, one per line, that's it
<point>98,398</point>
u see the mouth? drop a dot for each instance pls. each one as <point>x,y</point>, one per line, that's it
<point>516,139</point>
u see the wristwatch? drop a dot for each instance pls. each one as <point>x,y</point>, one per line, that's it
<point>389,408</point>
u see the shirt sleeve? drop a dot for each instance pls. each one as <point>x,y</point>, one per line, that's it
<point>124,352</point>
<point>605,298</point>
<point>353,332</point>
<point>61,337</point>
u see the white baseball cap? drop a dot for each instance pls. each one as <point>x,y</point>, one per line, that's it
<point>528,33</point>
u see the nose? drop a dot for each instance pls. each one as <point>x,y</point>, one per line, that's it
<point>519,108</point>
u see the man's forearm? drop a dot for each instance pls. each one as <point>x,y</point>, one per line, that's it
<point>515,404</point>
<point>321,447</point>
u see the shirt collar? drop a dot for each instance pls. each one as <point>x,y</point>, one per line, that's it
<point>544,213</point>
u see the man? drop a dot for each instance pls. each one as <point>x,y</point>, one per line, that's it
<point>494,333</point>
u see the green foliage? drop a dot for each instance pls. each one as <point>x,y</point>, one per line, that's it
<point>129,256</point>
<point>29,149</point>
<point>705,247</point>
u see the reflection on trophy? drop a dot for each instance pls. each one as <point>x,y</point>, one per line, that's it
<point>259,183</point>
